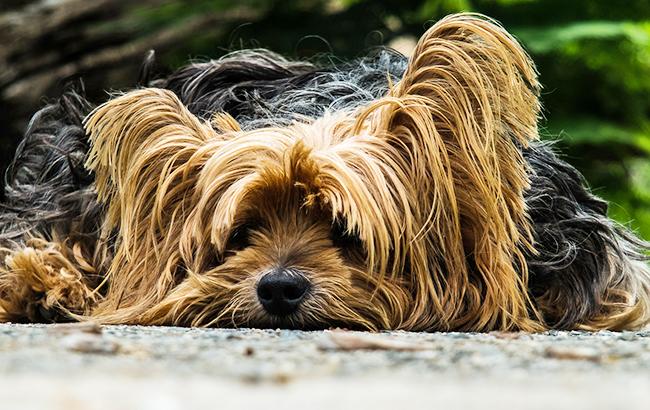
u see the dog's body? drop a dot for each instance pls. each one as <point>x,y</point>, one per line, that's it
<point>381,194</point>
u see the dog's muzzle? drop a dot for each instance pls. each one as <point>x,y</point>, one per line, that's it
<point>281,291</point>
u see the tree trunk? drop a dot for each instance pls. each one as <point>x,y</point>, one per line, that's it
<point>44,44</point>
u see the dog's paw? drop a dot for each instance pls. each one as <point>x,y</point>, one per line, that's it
<point>38,284</point>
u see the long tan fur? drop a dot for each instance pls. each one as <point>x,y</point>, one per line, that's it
<point>429,178</point>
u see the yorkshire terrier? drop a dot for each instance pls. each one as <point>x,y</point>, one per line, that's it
<point>384,193</point>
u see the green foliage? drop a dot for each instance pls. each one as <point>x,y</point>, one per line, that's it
<point>437,7</point>
<point>597,79</point>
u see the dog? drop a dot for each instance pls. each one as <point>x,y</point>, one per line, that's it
<point>255,191</point>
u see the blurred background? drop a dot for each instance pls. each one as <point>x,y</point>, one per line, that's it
<point>593,55</point>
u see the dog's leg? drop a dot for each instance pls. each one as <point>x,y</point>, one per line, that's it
<point>625,303</point>
<point>43,282</point>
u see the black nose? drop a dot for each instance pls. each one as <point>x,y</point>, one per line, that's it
<point>280,292</point>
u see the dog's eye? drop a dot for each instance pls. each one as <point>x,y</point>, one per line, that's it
<point>342,238</point>
<point>239,237</point>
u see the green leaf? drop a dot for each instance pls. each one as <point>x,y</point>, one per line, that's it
<point>547,39</point>
<point>574,131</point>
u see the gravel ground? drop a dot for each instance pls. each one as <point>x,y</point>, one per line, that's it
<point>129,367</point>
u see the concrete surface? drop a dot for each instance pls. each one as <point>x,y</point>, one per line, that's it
<point>128,367</point>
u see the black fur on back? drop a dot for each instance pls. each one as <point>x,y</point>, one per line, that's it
<point>578,247</point>
<point>49,192</point>
<point>260,88</point>
<point>47,188</point>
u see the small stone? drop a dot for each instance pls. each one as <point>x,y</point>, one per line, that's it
<point>89,343</point>
<point>628,336</point>
<point>508,335</point>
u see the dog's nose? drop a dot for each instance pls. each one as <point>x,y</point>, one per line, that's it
<point>281,292</point>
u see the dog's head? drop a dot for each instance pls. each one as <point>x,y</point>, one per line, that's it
<point>407,213</point>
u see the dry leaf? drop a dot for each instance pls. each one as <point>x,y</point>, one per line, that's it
<point>573,353</point>
<point>339,340</point>
<point>77,327</point>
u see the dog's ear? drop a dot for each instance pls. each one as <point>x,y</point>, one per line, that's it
<point>136,136</point>
<point>146,151</point>
<point>460,116</point>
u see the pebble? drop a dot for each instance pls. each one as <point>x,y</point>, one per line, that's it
<point>89,343</point>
